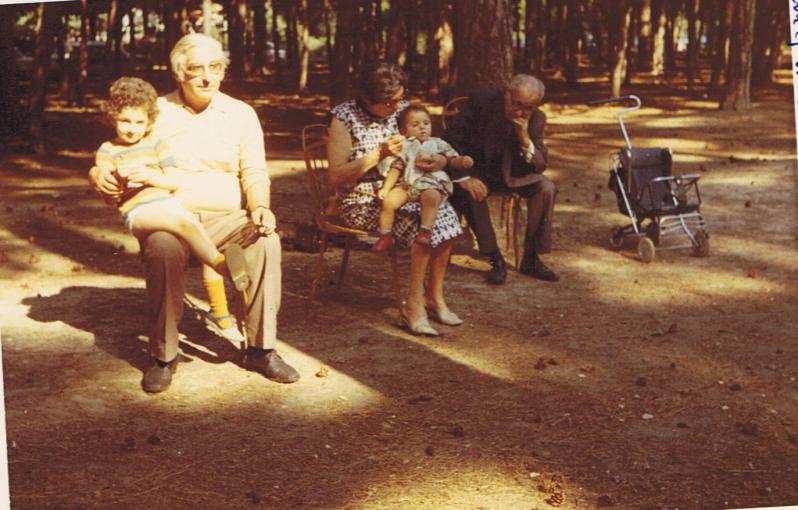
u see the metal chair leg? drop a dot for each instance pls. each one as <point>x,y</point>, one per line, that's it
<point>320,266</point>
<point>344,260</point>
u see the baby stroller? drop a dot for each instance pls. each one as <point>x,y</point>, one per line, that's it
<point>647,192</point>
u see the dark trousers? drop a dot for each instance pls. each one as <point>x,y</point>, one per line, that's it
<point>539,195</point>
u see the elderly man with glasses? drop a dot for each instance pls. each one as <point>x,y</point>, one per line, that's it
<point>502,130</point>
<point>218,144</point>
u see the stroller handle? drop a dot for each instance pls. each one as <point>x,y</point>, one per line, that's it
<point>637,105</point>
<point>617,100</point>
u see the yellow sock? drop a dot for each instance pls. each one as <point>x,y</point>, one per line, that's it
<point>218,300</point>
<point>219,265</point>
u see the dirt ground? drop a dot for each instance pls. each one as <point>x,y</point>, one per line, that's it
<point>626,385</point>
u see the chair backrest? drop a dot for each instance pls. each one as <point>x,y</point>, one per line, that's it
<point>322,195</point>
<point>451,109</point>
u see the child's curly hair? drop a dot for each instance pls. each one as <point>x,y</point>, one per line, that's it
<point>130,92</point>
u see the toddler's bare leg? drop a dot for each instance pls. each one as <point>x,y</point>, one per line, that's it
<point>395,199</point>
<point>150,218</point>
<point>430,200</point>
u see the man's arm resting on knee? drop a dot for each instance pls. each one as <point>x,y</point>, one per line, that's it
<point>259,206</point>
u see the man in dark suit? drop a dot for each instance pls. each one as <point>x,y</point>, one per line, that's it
<point>502,129</point>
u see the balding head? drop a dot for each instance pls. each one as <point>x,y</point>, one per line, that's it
<point>522,96</point>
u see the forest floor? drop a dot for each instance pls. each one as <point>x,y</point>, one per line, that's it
<point>629,385</point>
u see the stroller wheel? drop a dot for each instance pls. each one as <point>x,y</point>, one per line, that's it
<point>645,249</point>
<point>701,247</point>
<point>616,238</point>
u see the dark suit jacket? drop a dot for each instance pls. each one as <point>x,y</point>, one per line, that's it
<point>481,131</point>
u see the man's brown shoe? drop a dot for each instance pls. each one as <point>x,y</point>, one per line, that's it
<point>271,365</point>
<point>158,377</point>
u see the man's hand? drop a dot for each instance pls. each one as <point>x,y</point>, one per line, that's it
<point>105,183</point>
<point>475,188</point>
<point>431,163</point>
<point>521,127</point>
<point>264,219</point>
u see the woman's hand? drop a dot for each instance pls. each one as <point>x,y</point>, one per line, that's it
<point>432,163</point>
<point>264,219</point>
<point>391,147</point>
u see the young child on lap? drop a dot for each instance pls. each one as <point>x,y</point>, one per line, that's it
<point>148,204</point>
<point>404,182</point>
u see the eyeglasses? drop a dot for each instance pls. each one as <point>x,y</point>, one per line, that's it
<point>214,68</point>
<point>526,107</point>
<point>393,103</point>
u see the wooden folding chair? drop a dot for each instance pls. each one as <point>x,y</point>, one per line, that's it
<point>510,212</point>
<point>323,203</point>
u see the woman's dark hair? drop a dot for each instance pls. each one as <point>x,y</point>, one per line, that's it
<point>415,107</point>
<point>380,81</point>
<point>129,92</point>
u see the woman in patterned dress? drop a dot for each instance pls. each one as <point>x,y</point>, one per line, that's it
<point>363,132</point>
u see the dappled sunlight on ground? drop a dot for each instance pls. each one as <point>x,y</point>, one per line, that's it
<point>665,384</point>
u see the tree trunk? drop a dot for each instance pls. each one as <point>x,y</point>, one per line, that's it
<point>672,11</point>
<point>691,62</point>
<point>113,30</point>
<point>395,49</point>
<point>237,20</point>
<point>259,36</point>
<point>658,54</point>
<point>719,63</point>
<point>631,41</point>
<point>46,24</point>
<point>645,31</point>
<point>562,29</point>
<point>573,34</point>
<point>341,79</point>
<point>412,17</point>
<point>542,34</point>
<point>769,36</point>
<point>62,48</point>
<point>530,38</point>
<point>328,31</point>
<point>623,18</point>
<point>599,30</point>
<point>207,16</point>
<point>304,49</point>
<point>444,40</point>
<point>83,55</point>
<point>434,22</point>
<point>484,44</point>
<point>737,94</point>
<point>9,110</point>
<point>276,36</point>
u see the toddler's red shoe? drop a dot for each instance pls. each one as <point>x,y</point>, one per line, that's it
<point>383,244</point>
<point>424,237</point>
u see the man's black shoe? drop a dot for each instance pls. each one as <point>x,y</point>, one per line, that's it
<point>531,265</point>
<point>498,270</point>
<point>158,377</point>
<point>270,364</point>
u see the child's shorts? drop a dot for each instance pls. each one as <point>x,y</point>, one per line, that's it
<point>168,206</point>
<point>429,181</point>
